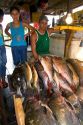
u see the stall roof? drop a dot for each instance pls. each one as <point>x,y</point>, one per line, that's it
<point>54,6</point>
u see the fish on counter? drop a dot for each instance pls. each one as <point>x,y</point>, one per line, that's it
<point>55,78</point>
<point>64,114</point>
<point>17,80</point>
<point>78,67</point>
<point>75,76</point>
<point>45,75</point>
<point>35,81</point>
<point>34,77</point>
<point>47,65</point>
<point>63,84</point>
<point>74,100</point>
<point>22,78</point>
<point>28,74</point>
<point>79,93</point>
<point>37,113</point>
<point>61,67</point>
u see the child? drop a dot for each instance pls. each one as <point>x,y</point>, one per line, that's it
<point>18,44</point>
<point>3,59</point>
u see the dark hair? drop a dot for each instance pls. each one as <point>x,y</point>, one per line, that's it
<point>1,13</point>
<point>43,17</point>
<point>14,8</point>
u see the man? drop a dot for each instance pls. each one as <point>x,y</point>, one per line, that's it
<point>40,38</point>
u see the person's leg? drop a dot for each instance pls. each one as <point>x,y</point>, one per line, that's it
<point>3,66</point>
<point>4,61</point>
<point>0,61</point>
<point>0,69</point>
<point>16,56</point>
<point>23,53</point>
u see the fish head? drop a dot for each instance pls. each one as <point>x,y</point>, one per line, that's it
<point>18,79</point>
<point>45,60</point>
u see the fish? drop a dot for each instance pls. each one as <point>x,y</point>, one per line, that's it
<point>61,67</point>
<point>47,65</point>
<point>78,67</point>
<point>37,113</point>
<point>28,74</point>
<point>62,111</point>
<point>62,84</point>
<point>46,62</point>
<point>46,85</point>
<point>34,77</point>
<point>79,93</point>
<point>74,100</point>
<point>35,81</point>
<point>43,79</point>
<point>18,81</point>
<point>75,76</point>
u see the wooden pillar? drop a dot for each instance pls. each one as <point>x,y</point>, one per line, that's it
<point>68,39</point>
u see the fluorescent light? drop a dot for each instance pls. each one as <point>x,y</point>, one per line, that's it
<point>77,9</point>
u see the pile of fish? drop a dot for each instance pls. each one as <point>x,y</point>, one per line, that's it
<point>50,89</point>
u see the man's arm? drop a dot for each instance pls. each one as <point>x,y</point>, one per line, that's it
<point>32,29</point>
<point>52,30</point>
<point>33,45</point>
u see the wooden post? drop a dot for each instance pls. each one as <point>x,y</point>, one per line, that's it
<point>69,35</point>
<point>20,116</point>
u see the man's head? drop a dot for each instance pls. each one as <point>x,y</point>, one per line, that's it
<point>1,15</point>
<point>43,22</point>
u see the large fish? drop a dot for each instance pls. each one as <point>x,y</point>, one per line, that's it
<point>78,66</point>
<point>35,81</point>
<point>18,81</point>
<point>21,80</point>
<point>62,84</point>
<point>79,93</point>
<point>74,100</point>
<point>61,67</point>
<point>34,77</point>
<point>43,79</point>
<point>45,75</point>
<point>62,112</point>
<point>37,113</point>
<point>28,74</point>
<point>46,62</point>
<point>75,76</point>
<point>47,65</point>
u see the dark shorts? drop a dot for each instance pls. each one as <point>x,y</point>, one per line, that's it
<point>19,54</point>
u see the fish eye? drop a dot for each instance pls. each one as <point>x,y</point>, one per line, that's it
<point>18,79</point>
